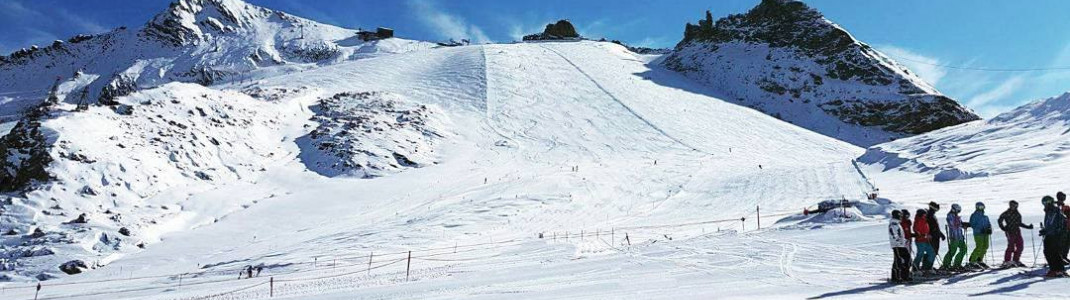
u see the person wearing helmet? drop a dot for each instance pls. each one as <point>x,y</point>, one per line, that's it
<point>982,233</point>
<point>1010,222</point>
<point>1053,232</point>
<point>934,227</point>
<point>956,241</point>
<point>898,240</point>
<point>923,262</point>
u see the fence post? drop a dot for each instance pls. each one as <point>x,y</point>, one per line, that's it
<point>743,221</point>
<point>179,281</point>
<point>407,264</point>
<point>370,255</point>
<point>581,235</point>
<point>315,262</point>
<point>37,292</point>
<point>627,239</point>
<point>758,212</point>
<point>271,285</point>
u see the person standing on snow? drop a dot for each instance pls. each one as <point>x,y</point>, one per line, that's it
<point>1060,201</point>
<point>923,262</point>
<point>906,223</point>
<point>898,240</point>
<point>982,234</point>
<point>934,227</point>
<point>956,240</point>
<point>1053,232</point>
<point>1010,222</point>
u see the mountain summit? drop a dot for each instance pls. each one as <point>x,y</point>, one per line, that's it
<point>200,41</point>
<point>787,60</point>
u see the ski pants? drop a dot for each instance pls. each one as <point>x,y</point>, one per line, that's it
<point>1052,249</point>
<point>981,246</point>
<point>1015,244</point>
<point>1065,246</point>
<point>956,249</point>
<point>901,265</point>
<point>925,256</point>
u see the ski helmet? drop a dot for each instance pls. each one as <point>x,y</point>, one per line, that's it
<point>1047,200</point>
<point>896,215</point>
<point>905,212</point>
<point>921,212</point>
<point>1060,196</point>
<point>956,208</point>
<point>1014,203</point>
<point>980,205</point>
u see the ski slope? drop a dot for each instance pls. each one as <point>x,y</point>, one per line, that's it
<point>573,141</point>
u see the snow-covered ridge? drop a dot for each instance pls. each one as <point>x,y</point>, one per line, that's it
<point>787,60</point>
<point>201,41</point>
<point>1029,137</point>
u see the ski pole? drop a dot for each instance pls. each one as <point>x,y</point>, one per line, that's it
<point>991,257</point>
<point>1033,244</point>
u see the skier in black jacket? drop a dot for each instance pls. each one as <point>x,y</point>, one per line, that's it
<point>934,227</point>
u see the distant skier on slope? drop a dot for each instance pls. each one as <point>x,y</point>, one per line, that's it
<point>956,240</point>
<point>982,235</point>
<point>1053,232</point>
<point>923,262</point>
<point>934,227</point>
<point>898,240</point>
<point>1010,222</point>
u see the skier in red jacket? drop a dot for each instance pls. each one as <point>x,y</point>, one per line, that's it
<point>922,239</point>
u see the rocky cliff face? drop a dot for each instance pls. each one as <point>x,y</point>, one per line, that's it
<point>784,58</point>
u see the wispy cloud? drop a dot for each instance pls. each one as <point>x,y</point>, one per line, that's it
<point>983,102</point>
<point>925,67</point>
<point>447,25</point>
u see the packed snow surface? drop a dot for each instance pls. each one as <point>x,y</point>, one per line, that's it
<point>637,188</point>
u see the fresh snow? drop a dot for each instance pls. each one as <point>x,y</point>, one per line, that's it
<point>544,138</point>
<point>531,170</point>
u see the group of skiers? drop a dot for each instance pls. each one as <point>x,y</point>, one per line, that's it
<point>924,234</point>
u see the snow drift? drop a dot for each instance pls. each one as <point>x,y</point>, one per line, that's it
<point>1030,137</point>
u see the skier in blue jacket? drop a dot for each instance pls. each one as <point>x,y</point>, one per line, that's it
<point>982,232</point>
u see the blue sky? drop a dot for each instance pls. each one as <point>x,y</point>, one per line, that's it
<point>919,33</point>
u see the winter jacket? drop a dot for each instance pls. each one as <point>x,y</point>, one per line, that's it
<point>1054,222</point>
<point>906,230</point>
<point>954,225</point>
<point>921,230</point>
<point>1066,212</point>
<point>896,237</point>
<point>934,226</point>
<point>1011,221</point>
<point>980,223</point>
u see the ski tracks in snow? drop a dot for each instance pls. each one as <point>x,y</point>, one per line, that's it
<point>622,104</point>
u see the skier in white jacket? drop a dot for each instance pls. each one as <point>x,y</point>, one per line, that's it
<point>899,242</point>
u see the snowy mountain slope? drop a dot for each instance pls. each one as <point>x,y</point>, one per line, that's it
<point>117,181</point>
<point>200,41</point>
<point>787,60</point>
<point>504,169</point>
<point>1032,136</point>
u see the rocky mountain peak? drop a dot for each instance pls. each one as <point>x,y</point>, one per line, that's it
<point>187,20</point>
<point>786,59</point>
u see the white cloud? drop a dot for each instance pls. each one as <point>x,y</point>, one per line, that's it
<point>518,31</point>
<point>924,66</point>
<point>447,25</point>
<point>983,102</point>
